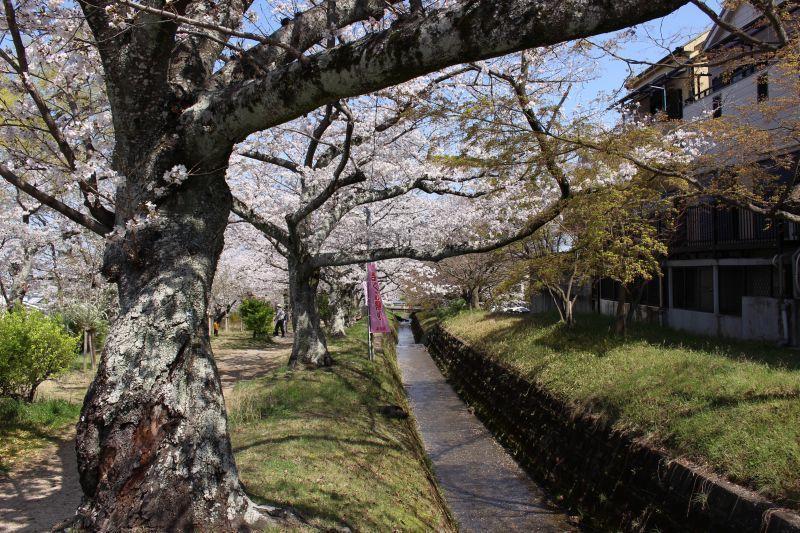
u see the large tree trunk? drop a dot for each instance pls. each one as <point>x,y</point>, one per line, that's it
<point>635,301</point>
<point>309,347</point>
<point>472,295</point>
<point>354,296</point>
<point>338,304</point>
<point>152,440</point>
<point>475,299</point>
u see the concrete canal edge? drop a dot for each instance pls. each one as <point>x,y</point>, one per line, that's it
<point>389,344</point>
<point>618,481</point>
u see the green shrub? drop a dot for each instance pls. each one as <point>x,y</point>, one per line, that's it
<point>33,348</point>
<point>81,316</point>
<point>257,316</point>
<point>324,308</point>
<point>451,308</point>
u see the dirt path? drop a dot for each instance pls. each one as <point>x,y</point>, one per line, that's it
<point>484,487</point>
<point>239,358</point>
<point>46,490</point>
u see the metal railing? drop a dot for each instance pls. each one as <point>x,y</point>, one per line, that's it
<point>707,226</point>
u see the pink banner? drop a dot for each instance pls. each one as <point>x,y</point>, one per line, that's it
<point>378,322</point>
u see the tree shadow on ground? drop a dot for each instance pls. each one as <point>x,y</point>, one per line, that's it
<point>36,498</point>
<point>315,440</point>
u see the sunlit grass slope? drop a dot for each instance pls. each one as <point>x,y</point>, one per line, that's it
<point>317,441</point>
<point>733,406</point>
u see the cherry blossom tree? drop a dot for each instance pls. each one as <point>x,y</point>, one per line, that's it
<point>185,82</point>
<point>345,296</point>
<point>332,168</point>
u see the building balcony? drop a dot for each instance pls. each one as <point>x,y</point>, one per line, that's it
<point>706,228</point>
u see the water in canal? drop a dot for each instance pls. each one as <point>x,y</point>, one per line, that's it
<point>485,488</point>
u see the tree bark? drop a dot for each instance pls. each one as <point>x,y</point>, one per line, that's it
<point>569,314</point>
<point>475,298</point>
<point>152,440</point>
<point>338,313</point>
<point>636,301</point>
<point>620,322</point>
<point>21,276</point>
<point>309,347</point>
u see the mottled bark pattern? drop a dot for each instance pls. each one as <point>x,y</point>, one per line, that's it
<point>338,305</point>
<point>310,347</point>
<point>153,445</point>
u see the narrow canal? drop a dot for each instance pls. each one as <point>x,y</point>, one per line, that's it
<point>485,488</point>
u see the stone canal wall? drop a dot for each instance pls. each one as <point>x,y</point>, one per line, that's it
<point>616,480</point>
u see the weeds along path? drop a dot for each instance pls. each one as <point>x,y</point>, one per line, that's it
<point>239,357</point>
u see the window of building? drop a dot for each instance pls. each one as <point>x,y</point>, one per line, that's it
<point>762,87</point>
<point>675,103</point>
<point>693,288</point>
<point>650,295</point>
<point>716,107</point>
<point>672,98</point>
<point>608,289</point>
<point>736,282</point>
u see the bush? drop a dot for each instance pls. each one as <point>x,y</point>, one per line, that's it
<point>257,316</point>
<point>451,308</point>
<point>81,316</point>
<point>33,348</point>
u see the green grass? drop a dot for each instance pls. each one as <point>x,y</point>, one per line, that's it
<point>733,406</point>
<point>316,441</point>
<point>28,427</point>
<point>241,340</point>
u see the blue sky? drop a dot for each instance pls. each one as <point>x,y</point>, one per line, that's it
<point>676,29</point>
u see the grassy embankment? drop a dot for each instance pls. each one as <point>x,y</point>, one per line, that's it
<point>25,428</point>
<point>317,441</point>
<point>733,406</point>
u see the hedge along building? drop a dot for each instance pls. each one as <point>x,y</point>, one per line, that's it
<point>732,269</point>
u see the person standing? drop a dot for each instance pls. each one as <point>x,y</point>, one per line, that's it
<point>280,321</point>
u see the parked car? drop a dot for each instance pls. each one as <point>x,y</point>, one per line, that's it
<point>516,309</point>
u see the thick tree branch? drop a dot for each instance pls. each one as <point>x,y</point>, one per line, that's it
<point>214,27</point>
<point>96,208</point>
<point>546,144</point>
<point>196,52</point>
<point>260,223</point>
<point>326,193</point>
<point>402,110</point>
<point>329,220</point>
<point>302,32</point>
<point>53,203</point>
<point>16,37</point>
<point>730,28</point>
<point>272,160</point>
<point>319,131</point>
<point>348,142</point>
<point>343,258</point>
<point>469,31</point>
<point>768,7</point>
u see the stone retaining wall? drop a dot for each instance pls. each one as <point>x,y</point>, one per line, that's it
<point>618,481</point>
